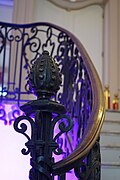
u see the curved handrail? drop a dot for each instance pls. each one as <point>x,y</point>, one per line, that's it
<point>98,111</point>
<point>96,119</point>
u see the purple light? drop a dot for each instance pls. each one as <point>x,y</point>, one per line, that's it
<point>14,165</point>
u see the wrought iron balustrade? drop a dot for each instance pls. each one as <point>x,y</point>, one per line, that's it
<point>80,92</point>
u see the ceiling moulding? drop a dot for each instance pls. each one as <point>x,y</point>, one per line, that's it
<point>77,4</point>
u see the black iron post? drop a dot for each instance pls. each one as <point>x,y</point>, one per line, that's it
<point>43,114</point>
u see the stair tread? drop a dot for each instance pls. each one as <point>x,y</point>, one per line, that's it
<point>110,146</point>
<point>111,132</point>
<point>110,163</point>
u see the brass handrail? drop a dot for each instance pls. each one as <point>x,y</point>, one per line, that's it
<point>95,122</point>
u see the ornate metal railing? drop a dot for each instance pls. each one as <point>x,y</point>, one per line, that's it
<point>80,92</point>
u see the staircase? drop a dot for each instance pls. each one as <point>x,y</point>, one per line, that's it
<point>110,146</point>
<point>81,110</point>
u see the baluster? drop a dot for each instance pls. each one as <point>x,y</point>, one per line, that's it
<point>44,80</point>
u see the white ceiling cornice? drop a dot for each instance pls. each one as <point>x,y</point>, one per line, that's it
<point>77,4</point>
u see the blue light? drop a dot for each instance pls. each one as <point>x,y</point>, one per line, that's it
<point>3,91</point>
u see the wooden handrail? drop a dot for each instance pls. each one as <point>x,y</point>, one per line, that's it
<point>95,122</point>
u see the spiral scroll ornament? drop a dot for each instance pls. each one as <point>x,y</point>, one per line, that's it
<point>44,80</point>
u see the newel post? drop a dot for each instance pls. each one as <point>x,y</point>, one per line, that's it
<point>42,115</point>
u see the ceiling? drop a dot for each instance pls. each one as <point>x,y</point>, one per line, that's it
<point>76,4</point>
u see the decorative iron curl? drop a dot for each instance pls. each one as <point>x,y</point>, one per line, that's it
<point>62,37</point>
<point>49,44</point>
<point>63,127</point>
<point>2,40</point>
<point>34,30</point>
<point>13,114</point>
<point>82,171</point>
<point>32,45</point>
<point>14,34</point>
<point>3,114</point>
<point>22,129</point>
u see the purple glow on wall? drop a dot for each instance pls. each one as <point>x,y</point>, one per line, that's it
<point>8,113</point>
<point>13,164</point>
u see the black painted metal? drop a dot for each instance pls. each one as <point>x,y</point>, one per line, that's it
<point>25,44</point>
<point>90,168</point>
<point>21,48</point>
<point>20,45</point>
<point>45,80</point>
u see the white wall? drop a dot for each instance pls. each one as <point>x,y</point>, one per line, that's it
<point>86,24</point>
<point>13,164</point>
<point>112,46</point>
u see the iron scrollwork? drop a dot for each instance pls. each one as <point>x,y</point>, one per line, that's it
<point>64,127</point>
<point>90,167</point>
<point>3,114</point>
<point>44,81</point>
<point>8,113</point>
<point>21,127</point>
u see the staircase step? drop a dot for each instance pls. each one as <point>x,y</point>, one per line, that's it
<point>112,115</point>
<point>111,165</point>
<point>117,147</point>
<point>110,139</point>
<point>110,155</point>
<point>111,126</point>
<point>110,146</point>
<point>110,171</point>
